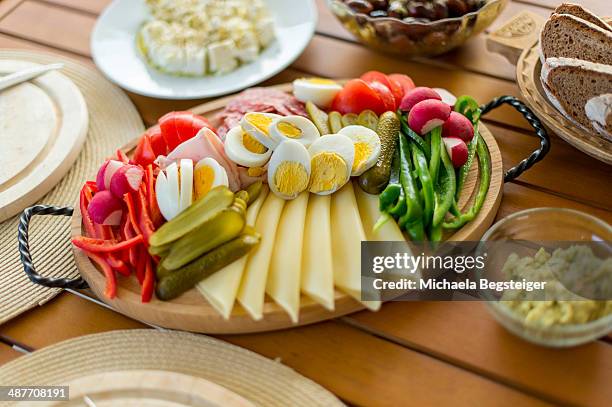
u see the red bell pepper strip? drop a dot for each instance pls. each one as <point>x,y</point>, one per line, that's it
<point>142,254</point>
<point>146,224</point>
<point>156,215</point>
<point>133,216</point>
<point>111,281</point>
<point>144,154</point>
<point>122,157</point>
<point>148,284</point>
<point>93,245</point>
<point>88,224</point>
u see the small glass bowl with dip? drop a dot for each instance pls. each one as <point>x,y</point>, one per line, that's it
<point>556,225</point>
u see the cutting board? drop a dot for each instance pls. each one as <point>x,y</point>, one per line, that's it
<point>146,388</point>
<point>192,312</point>
<point>517,40</point>
<point>43,125</point>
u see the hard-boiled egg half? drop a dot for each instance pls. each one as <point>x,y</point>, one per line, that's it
<point>296,128</point>
<point>319,91</point>
<point>367,147</point>
<point>174,188</point>
<point>289,169</point>
<point>331,163</point>
<point>207,174</point>
<point>245,150</point>
<point>257,126</point>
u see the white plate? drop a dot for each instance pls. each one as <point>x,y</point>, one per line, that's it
<point>113,45</point>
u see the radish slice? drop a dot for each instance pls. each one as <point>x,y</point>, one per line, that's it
<point>457,150</point>
<point>106,172</point>
<point>427,115</point>
<point>126,179</point>
<point>186,192</point>
<point>105,209</point>
<point>446,96</point>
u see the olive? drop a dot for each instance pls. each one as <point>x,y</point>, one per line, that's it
<point>440,9</point>
<point>421,10</point>
<point>456,8</point>
<point>360,6</point>
<point>380,4</point>
<point>379,13</point>
<point>397,9</point>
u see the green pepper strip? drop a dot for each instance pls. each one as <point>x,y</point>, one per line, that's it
<point>467,106</point>
<point>436,146</point>
<point>445,194</point>
<point>392,201</point>
<point>408,132</point>
<point>465,168</point>
<point>420,162</point>
<point>412,220</point>
<point>484,162</point>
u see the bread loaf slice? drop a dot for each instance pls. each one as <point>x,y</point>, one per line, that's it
<point>567,36</point>
<point>578,11</point>
<point>581,91</point>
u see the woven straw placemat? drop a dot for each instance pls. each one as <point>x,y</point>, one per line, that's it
<point>256,378</point>
<point>113,121</point>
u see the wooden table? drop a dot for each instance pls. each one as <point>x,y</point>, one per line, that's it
<point>408,353</point>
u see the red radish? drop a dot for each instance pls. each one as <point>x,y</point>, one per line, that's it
<point>446,96</point>
<point>427,115</point>
<point>106,172</point>
<point>105,209</point>
<point>417,95</point>
<point>458,125</point>
<point>127,179</point>
<point>457,150</point>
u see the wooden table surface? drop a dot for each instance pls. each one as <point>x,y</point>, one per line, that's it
<point>408,353</point>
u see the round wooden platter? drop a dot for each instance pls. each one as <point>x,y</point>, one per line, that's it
<point>191,312</point>
<point>147,388</point>
<point>44,126</point>
<point>518,41</point>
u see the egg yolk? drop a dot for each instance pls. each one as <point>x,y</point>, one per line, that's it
<point>328,171</point>
<point>320,81</point>
<point>289,130</point>
<point>253,145</point>
<point>363,151</point>
<point>260,121</point>
<point>203,179</point>
<point>255,171</point>
<point>290,178</point>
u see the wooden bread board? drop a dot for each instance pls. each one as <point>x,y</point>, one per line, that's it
<point>518,41</point>
<point>146,388</point>
<point>191,312</point>
<point>43,125</point>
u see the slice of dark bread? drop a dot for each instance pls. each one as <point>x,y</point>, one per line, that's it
<point>582,91</point>
<point>578,11</point>
<point>567,36</point>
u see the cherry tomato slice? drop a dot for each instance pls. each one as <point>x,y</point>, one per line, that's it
<point>403,80</point>
<point>357,96</point>
<point>183,122</point>
<point>199,122</point>
<point>395,88</point>
<point>385,95</point>
<point>144,154</point>
<point>157,140</point>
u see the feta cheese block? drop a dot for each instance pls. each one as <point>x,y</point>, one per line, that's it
<point>251,294</point>
<point>221,288</point>
<point>284,276</point>
<point>317,265</point>
<point>347,234</point>
<point>221,57</point>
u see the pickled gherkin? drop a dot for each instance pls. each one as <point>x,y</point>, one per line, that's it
<point>221,228</point>
<point>349,119</point>
<point>318,117</point>
<point>335,122</point>
<point>254,190</point>
<point>368,119</point>
<point>175,283</point>
<point>198,213</point>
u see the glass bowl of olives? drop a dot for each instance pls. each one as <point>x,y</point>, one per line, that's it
<point>415,27</point>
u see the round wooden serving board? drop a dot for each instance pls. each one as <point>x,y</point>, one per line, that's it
<point>43,125</point>
<point>147,388</point>
<point>518,41</point>
<point>191,312</point>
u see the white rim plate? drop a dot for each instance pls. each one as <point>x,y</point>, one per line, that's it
<point>113,45</point>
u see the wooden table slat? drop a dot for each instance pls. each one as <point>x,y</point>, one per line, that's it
<point>465,333</point>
